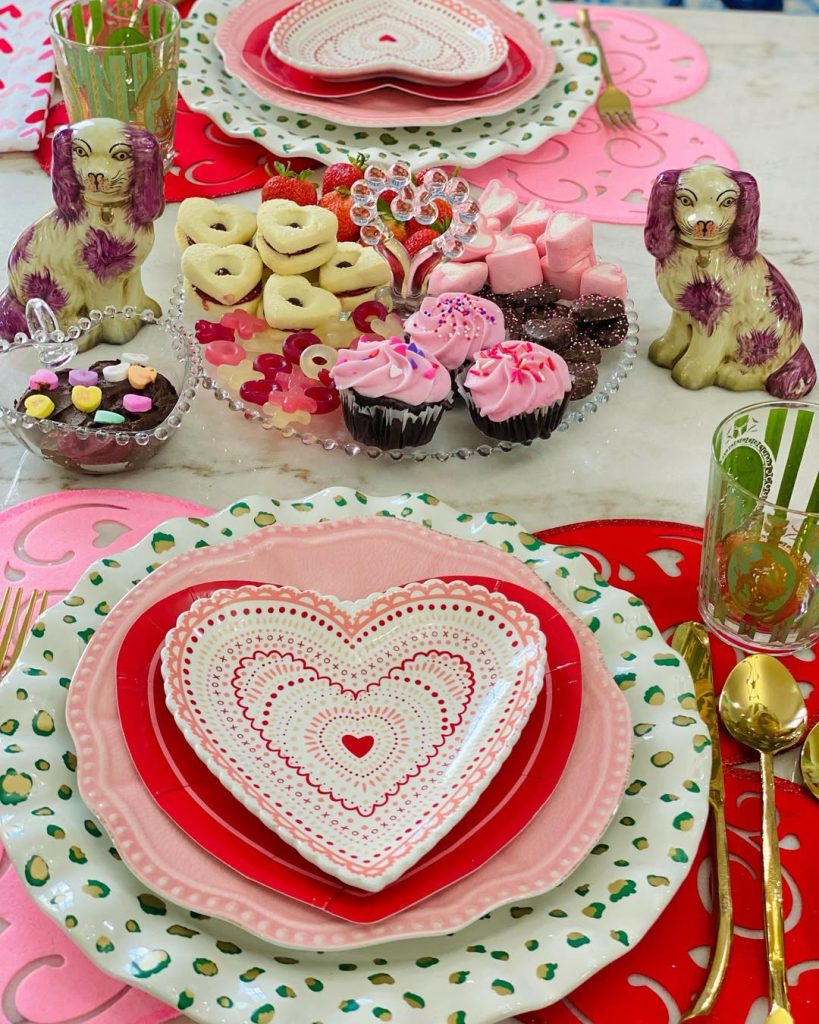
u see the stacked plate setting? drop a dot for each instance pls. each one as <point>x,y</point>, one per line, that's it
<point>575,796</point>
<point>437,80</point>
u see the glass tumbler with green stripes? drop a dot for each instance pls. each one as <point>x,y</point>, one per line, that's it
<point>120,59</point>
<point>758,580</point>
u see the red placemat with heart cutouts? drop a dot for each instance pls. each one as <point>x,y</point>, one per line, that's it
<point>658,981</point>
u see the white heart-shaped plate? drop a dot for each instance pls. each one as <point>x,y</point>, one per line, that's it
<point>361,732</point>
<point>421,40</point>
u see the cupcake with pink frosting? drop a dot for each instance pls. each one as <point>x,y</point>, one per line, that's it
<point>455,326</point>
<point>392,394</point>
<point>516,391</point>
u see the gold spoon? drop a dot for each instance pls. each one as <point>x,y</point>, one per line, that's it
<point>810,761</point>
<point>761,707</point>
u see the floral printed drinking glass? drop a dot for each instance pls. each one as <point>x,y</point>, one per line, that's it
<point>760,557</point>
<point>120,59</point>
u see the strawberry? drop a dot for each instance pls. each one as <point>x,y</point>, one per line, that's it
<point>419,240</point>
<point>340,202</point>
<point>440,225</point>
<point>287,184</point>
<point>397,228</point>
<point>343,175</point>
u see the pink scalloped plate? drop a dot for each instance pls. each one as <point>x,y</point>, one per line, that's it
<point>426,40</point>
<point>259,58</point>
<point>384,107</point>
<point>163,856</point>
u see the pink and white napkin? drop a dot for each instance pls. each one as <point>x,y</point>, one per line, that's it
<point>26,73</point>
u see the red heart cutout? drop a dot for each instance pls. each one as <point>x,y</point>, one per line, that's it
<point>358,745</point>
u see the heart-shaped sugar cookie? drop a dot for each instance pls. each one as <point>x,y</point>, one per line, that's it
<point>294,239</point>
<point>341,723</point>
<point>203,220</point>
<point>353,273</point>
<point>226,275</point>
<point>291,303</point>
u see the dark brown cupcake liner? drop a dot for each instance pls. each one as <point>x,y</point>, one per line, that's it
<point>540,423</point>
<point>386,423</point>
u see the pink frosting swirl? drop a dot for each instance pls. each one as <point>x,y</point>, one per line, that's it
<point>516,377</point>
<point>455,325</point>
<point>391,368</point>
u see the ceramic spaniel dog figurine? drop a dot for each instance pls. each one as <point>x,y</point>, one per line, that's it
<point>736,321</point>
<point>87,252</point>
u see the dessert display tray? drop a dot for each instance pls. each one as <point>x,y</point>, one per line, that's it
<point>456,437</point>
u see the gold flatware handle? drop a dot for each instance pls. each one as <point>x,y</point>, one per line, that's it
<point>585,23</point>
<point>772,882</point>
<point>691,641</point>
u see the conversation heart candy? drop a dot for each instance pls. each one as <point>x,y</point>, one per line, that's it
<point>108,417</point>
<point>83,378</point>
<point>39,406</point>
<point>43,379</point>
<point>140,377</point>
<point>116,373</point>
<point>137,403</point>
<point>135,357</point>
<point>85,399</point>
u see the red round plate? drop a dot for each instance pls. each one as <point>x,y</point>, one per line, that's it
<point>259,58</point>
<point>185,789</point>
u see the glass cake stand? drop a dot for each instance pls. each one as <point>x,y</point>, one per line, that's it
<point>456,437</point>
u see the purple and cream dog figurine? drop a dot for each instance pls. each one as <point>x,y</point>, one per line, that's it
<point>87,252</point>
<point>736,321</point>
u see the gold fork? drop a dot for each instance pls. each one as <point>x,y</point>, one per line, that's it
<point>17,623</point>
<point>613,105</point>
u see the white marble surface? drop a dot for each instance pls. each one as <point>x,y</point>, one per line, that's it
<point>645,454</point>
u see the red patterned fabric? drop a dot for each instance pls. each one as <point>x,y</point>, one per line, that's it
<point>658,981</point>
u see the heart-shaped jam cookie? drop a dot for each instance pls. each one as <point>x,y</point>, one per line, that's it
<point>353,274</point>
<point>291,303</point>
<point>293,239</point>
<point>221,224</point>
<point>342,723</point>
<point>227,276</point>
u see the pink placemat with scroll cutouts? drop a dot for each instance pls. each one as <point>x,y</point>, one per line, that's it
<point>608,174</point>
<point>47,543</point>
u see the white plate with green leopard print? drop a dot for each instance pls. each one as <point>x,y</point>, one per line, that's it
<point>515,959</point>
<point>207,87</point>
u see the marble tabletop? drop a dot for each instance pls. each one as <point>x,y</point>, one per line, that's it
<point>644,453</point>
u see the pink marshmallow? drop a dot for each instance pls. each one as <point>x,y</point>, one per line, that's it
<point>604,279</point>
<point>457,277</point>
<point>498,201</point>
<point>532,220</point>
<point>478,247</point>
<point>494,224</point>
<point>568,281</point>
<point>514,265</point>
<point>568,238</point>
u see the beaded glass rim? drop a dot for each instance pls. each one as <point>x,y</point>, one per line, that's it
<point>183,345</point>
<point>577,413</point>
